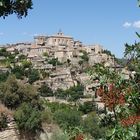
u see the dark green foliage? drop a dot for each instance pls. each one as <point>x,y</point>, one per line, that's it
<point>75,92</point>
<point>132,53</point>
<point>33,76</point>
<point>24,69</point>
<point>72,94</point>
<point>54,62</point>
<point>8,94</point>
<point>68,61</point>
<point>28,119</point>
<point>80,62</point>
<point>67,118</point>
<point>3,121</point>
<point>45,91</point>
<point>85,57</point>
<point>87,107</point>
<point>91,125</point>
<point>3,76</point>
<point>18,71</point>
<point>12,93</point>
<point>60,93</point>
<point>107,120</point>
<point>22,57</point>
<point>19,7</point>
<point>9,58</point>
<point>3,52</point>
<point>108,53</point>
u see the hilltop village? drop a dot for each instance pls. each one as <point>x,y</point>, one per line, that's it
<point>61,61</point>
<point>64,73</point>
<point>63,48</point>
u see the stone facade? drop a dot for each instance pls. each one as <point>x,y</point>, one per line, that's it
<point>62,47</point>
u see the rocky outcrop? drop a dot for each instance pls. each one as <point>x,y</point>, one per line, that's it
<point>10,133</point>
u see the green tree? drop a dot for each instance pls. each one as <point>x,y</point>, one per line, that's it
<point>3,76</point>
<point>3,52</point>
<point>71,94</point>
<point>19,7</point>
<point>60,93</point>
<point>22,57</point>
<point>87,107</point>
<point>75,92</point>
<point>8,92</point>
<point>91,125</point>
<point>18,71</point>
<point>45,91</point>
<point>26,64</point>
<point>33,76</point>
<point>67,118</point>
<point>108,53</point>
<point>54,62</point>
<point>28,120</point>
<point>14,93</point>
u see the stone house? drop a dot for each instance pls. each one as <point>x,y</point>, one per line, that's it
<point>62,47</point>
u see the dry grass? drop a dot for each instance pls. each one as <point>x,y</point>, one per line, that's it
<point>5,110</point>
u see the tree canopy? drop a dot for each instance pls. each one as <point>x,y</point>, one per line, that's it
<point>19,7</point>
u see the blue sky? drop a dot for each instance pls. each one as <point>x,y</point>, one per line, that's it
<point>110,23</point>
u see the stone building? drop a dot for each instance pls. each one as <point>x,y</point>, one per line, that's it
<point>60,40</point>
<point>62,47</point>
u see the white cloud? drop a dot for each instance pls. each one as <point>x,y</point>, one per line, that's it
<point>127,24</point>
<point>136,24</point>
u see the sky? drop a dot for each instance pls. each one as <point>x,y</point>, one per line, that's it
<point>110,23</point>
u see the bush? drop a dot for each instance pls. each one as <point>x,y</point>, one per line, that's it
<point>3,76</point>
<point>46,116</point>
<point>33,76</point>
<point>54,106</point>
<point>91,125</point>
<point>72,94</point>
<point>54,62</point>
<point>68,118</point>
<point>18,71</point>
<point>45,91</point>
<point>87,107</point>
<point>13,93</point>
<point>28,119</point>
